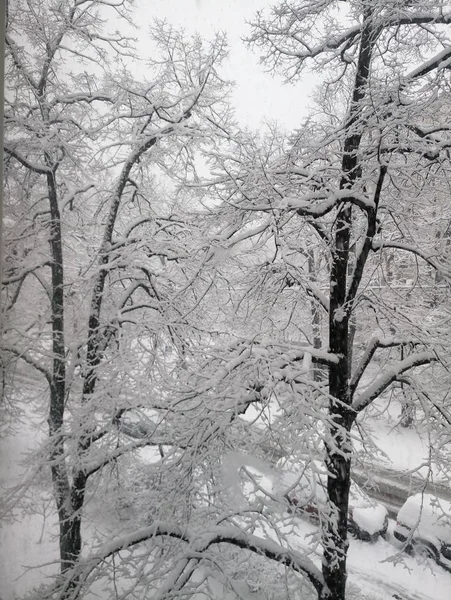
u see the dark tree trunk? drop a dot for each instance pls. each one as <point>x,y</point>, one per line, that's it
<point>69,499</point>
<point>70,541</point>
<point>70,527</point>
<point>339,445</point>
<point>68,551</point>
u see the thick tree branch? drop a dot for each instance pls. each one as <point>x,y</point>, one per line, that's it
<point>441,60</point>
<point>197,543</point>
<point>30,361</point>
<point>93,358</point>
<point>315,204</point>
<point>26,163</point>
<point>374,344</point>
<point>444,270</point>
<point>21,68</point>
<point>389,376</point>
<point>371,231</point>
<point>78,97</point>
<point>21,276</point>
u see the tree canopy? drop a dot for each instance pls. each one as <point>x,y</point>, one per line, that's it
<point>201,301</point>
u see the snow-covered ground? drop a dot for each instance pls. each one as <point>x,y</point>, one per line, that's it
<point>23,547</point>
<point>375,568</point>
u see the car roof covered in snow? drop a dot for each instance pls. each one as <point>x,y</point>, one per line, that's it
<point>427,514</point>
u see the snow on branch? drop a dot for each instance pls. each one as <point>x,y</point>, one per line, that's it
<point>288,36</point>
<point>148,432</point>
<point>446,415</point>
<point>270,33</point>
<point>330,44</point>
<point>442,60</point>
<point>197,543</point>
<point>21,67</point>
<point>277,360</point>
<point>307,207</point>
<point>277,355</point>
<point>407,17</point>
<point>30,360</point>
<point>23,274</point>
<point>314,291</point>
<point>71,194</point>
<point>375,343</point>
<point>123,178</point>
<point>413,250</point>
<point>78,97</point>
<point>390,375</point>
<point>243,235</point>
<point>26,163</point>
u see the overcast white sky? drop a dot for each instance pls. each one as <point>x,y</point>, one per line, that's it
<point>258,95</point>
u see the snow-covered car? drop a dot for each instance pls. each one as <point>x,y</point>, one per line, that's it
<point>306,493</point>
<point>424,525</point>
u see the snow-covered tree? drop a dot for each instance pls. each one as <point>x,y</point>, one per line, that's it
<point>363,177</point>
<point>96,290</point>
<point>221,321</point>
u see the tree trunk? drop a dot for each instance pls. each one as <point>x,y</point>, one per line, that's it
<point>339,445</point>
<point>69,515</point>
<point>70,541</point>
<point>336,530</point>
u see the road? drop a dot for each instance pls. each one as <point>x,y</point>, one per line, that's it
<point>392,488</point>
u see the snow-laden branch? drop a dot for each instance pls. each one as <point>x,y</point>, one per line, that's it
<point>418,18</point>
<point>197,543</point>
<point>30,361</point>
<point>243,235</point>
<point>304,206</point>
<point>20,66</point>
<point>315,291</point>
<point>413,250</point>
<point>41,170</point>
<point>371,230</point>
<point>23,274</point>
<point>69,197</point>
<point>421,392</point>
<point>390,375</point>
<point>375,343</point>
<point>278,356</point>
<point>315,204</point>
<point>151,433</point>
<point>442,60</point>
<point>331,44</point>
<point>289,39</point>
<point>78,97</point>
<point>278,360</point>
<point>148,142</point>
